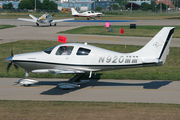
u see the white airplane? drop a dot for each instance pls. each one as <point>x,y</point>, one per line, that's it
<point>45,18</point>
<point>82,58</point>
<point>88,14</point>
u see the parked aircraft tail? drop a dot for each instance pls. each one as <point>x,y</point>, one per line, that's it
<point>74,12</point>
<point>158,48</point>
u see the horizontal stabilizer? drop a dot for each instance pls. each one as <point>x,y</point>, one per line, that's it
<point>150,60</point>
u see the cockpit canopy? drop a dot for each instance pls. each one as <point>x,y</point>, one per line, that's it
<point>89,12</point>
<point>67,50</point>
<point>48,16</point>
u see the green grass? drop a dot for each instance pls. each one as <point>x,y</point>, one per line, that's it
<point>169,71</point>
<point>44,110</point>
<point>6,26</point>
<point>112,15</point>
<point>140,31</point>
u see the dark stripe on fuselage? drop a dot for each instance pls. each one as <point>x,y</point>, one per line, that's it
<point>115,66</point>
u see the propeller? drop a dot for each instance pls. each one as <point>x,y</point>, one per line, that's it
<point>53,14</point>
<point>11,62</point>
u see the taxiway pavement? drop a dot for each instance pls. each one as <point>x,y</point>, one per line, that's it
<point>145,91</point>
<point>29,31</point>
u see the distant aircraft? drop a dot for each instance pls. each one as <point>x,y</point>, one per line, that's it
<point>79,59</point>
<point>45,18</point>
<point>88,14</point>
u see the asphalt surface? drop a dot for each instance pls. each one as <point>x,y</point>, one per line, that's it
<point>144,91</point>
<point>96,90</point>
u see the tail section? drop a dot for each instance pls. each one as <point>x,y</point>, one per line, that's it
<point>158,48</point>
<point>74,12</point>
<point>33,17</point>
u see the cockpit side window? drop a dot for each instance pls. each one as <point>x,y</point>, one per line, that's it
<point>89,12</point>
<point>83,51</point>
<point>64,50</point>
<point>92,12</point>
<point>49,50</point>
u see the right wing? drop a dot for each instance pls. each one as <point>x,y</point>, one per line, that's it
<point>34,19</point>
<point>29,20</point>
<point>62,20</point>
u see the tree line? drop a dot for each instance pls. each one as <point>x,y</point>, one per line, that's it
<point>51,5</point>
<point>30,5</point>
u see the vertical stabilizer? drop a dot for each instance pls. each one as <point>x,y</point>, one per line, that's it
<point>158,47</point>
<point>74,12</point>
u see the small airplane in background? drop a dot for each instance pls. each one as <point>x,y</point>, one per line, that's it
<point>45,18</point>
<point>88,14</point>
<point>79,59</point>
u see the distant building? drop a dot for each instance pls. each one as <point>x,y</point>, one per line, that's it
<point>139,2</point>
<point>15,4</point>
<point>167,2</point>
<point>83,6</point>
<point>103,4</point>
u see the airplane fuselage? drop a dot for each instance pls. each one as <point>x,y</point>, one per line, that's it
<point>82,58</point>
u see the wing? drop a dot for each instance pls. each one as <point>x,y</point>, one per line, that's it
<point>62,20</point>
<point>57,71</point>
<point>33,17</point>
<point>29,20</point>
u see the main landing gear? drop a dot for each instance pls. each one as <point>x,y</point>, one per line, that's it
<point>74,82</point>
<point>37,24</point>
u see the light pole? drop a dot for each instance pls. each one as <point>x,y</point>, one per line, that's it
<point>35,6</point>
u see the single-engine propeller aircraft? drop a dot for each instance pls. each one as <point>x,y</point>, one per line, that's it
<point>45,19</point>
<point>88,14</point>
<point>82,58</point>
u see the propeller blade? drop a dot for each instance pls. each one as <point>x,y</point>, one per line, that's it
<point>12,52</point>
<point>53,14</point>
<point>9,65</point>
<point>16,67</point>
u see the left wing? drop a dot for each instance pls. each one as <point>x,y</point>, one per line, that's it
<point>61,20</point>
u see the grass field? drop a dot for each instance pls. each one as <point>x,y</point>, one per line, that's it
<point>45,110</point>
<point>114,15</point>
<point>140,31</point>
<point>6,26</point>
<point>169,71</point>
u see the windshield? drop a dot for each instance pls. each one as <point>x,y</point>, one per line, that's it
<point>48,16</point>
<point>48,51</point>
